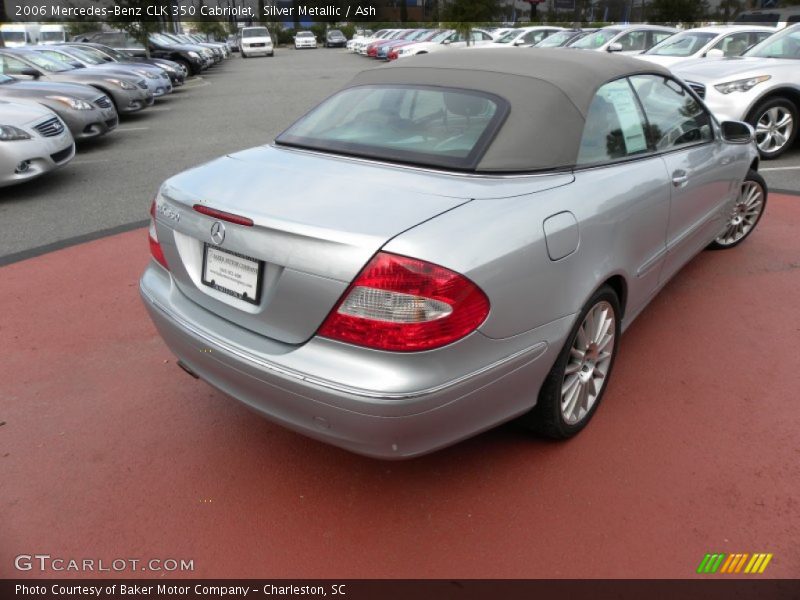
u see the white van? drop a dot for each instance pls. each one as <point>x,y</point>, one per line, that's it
<point>15,35</point>
<point>52,34</point>
<point>254,41</point>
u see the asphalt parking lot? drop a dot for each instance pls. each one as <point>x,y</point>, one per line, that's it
<point>108,450</point>
<point>236,105</point>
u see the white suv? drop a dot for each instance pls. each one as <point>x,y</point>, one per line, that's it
<point>305,39</point>
<point>254,41</point>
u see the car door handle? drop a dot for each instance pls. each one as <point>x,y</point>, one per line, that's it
<point>679,178</point>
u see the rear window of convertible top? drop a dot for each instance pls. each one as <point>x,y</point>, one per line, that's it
<point>413,124</point>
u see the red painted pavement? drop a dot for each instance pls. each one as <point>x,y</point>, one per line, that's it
<point>110,451</point>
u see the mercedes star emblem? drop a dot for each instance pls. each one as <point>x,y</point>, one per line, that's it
<point>217,233</point>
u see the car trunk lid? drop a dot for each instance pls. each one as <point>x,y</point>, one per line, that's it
<point>315,223</point>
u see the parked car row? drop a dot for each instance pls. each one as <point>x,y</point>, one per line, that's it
<point>56,94</point>
<point>193,55</point>
<point>257,41</point>
<point>746,72</point>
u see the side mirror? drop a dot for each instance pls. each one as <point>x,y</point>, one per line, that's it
<point>76,64</point>
<point>446,42</point>
<point>31,72</point>
<point>614,47</point>
<point>715,53</point>
<point>519,42</point>
<point>737,132</point>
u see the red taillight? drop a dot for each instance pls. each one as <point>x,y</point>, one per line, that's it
<point>155,247</point>
<point>223,216</point>
<point>403,304</point>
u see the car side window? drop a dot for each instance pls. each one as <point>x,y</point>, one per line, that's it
<point>759,37</point>
<point>534,37</point>
<point>674,117</point>
<point>660,36</point>
<point>57,56</point>
<point>635,40</point>
<point>112,39</point>
<point>734,44</point>
<point>615,126</point>
<point>11,66</point>
<point>131,42</point>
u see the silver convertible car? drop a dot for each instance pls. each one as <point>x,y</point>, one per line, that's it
<point>446,244</point>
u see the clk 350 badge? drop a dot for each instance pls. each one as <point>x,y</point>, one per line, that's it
<point>168,212</point>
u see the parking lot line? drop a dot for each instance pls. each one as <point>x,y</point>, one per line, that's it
<point>132,128</point>
<point>101,432</point>
<point>794,168</point>
<point>89,161</point>
<point>195,83</point>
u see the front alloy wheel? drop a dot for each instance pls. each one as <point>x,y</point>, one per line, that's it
<point>775,123</point>
<point>745,214</point>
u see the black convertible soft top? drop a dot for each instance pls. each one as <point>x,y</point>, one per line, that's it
<point>549,91</point>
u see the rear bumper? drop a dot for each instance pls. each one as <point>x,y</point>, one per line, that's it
<point>258,50</point>
<point>372,422</point>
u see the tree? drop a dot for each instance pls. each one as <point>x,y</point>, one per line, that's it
<point>141,30</point>
<point>3,18</point>
<point>677,11</point>
<point>728,9</point>
<point>214,30</point>
<point>471,11</point>
<point>462,14</point>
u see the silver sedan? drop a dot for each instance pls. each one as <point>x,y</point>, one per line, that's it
<point>127,94</point>
<point>33,141</point>
<point>446,245</point>
<point>87,112</point>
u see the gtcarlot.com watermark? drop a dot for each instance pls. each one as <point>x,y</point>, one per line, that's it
<point>45,563</point>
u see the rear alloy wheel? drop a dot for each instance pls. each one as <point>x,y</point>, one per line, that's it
<point>745,214</point>
<point>575,385</point>
<point>775,122</point>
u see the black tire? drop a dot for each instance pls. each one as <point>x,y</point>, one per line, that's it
<point>724,242</point>
<point>243,55</point>
<point>761,110</point>
<point>190,70</point>
<point>546,418</point>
